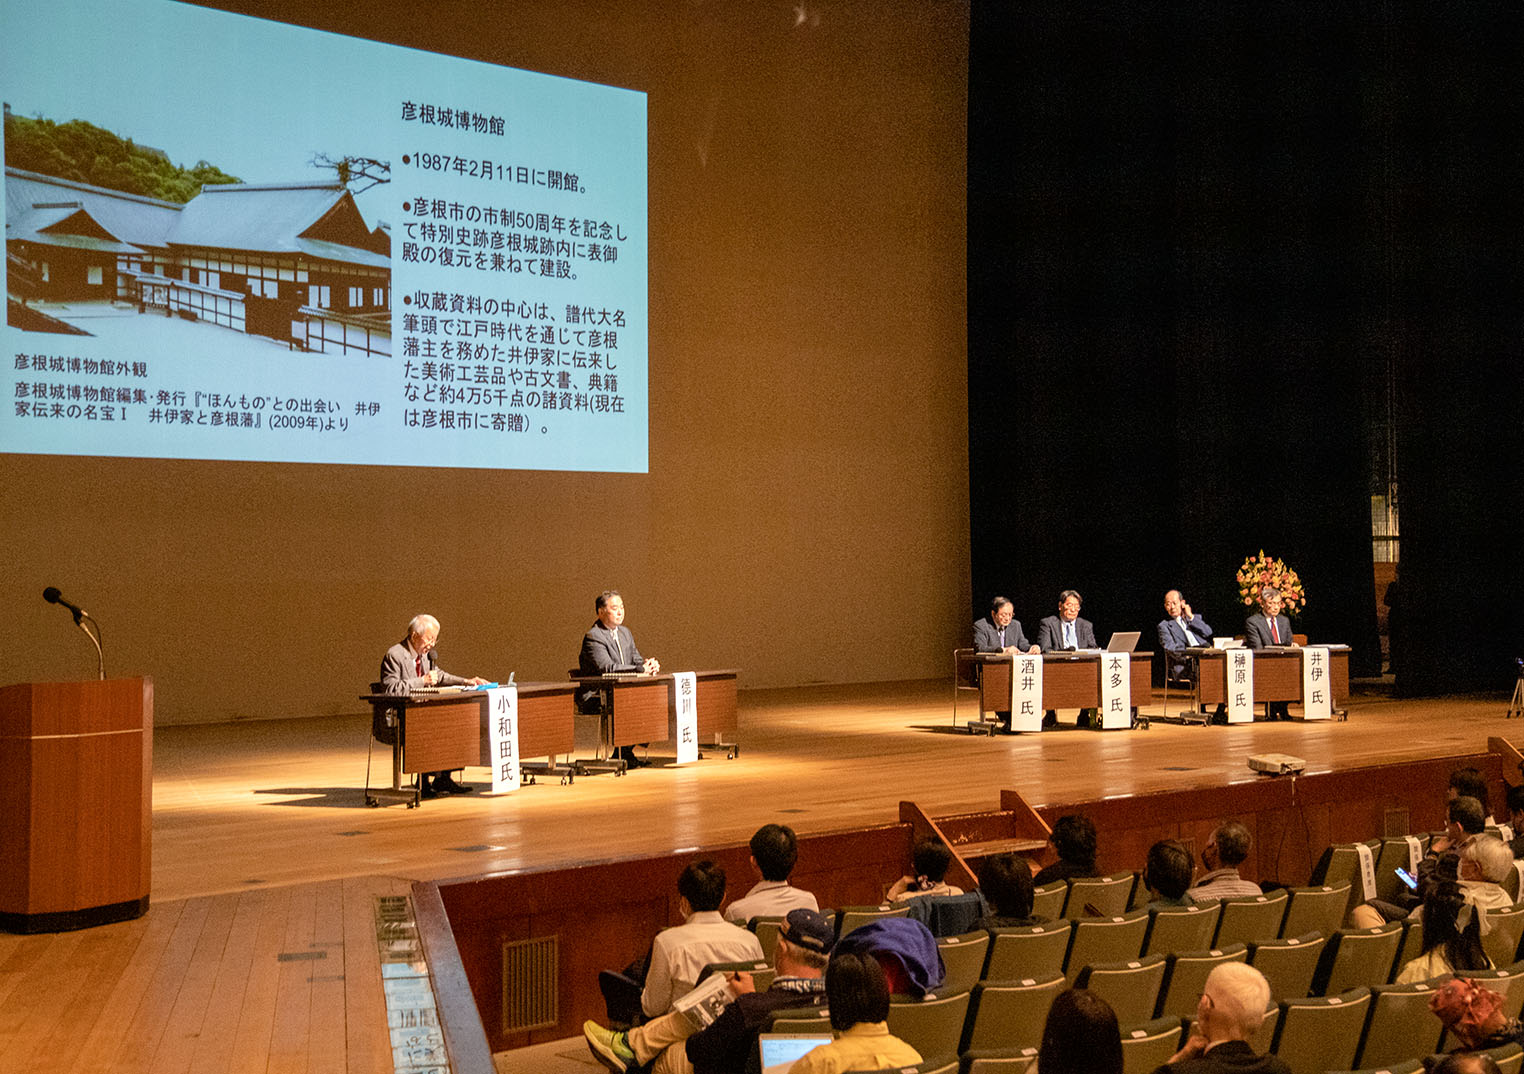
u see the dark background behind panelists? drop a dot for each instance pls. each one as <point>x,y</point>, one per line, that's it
<point>1200,236</point>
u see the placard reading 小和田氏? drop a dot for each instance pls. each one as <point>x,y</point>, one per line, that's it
<point>503,737</point>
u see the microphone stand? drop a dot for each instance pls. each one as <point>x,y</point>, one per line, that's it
<point>95,639</point>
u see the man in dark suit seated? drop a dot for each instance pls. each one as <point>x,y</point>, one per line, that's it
<point>1066,630</point>
<point>998,632</point>
<point>1181,629</point>
<point>608,648</point>
<point>1269,629</point>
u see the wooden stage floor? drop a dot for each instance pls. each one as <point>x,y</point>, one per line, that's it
<point>259,951</point>
<point>261,804</point>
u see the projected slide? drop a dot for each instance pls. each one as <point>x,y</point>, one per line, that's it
<point>227,238</point>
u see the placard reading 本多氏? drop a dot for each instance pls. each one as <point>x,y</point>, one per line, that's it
<point>1116,691</point>
<point>239,239</point>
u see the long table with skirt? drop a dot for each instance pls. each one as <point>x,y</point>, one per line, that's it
<point>638,708</point>
<point>439,732</point>
<point>1277,675</point>
<point>1069,681</point>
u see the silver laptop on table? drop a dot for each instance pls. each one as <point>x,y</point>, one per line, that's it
<point>1123,641</point>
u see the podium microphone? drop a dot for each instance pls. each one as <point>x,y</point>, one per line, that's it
<point>53,596</point>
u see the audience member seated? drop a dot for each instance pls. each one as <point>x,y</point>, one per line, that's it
<point>680,952</point>
<point>774,849</point>
<point>1469,783</point>
<point>1231,1009</point>
<point>1005,881</point>
<point>1465,1063</point>
<point>1074,841</point>
<point>1485,863</point>
<point>1464,824</point>
<point>1226,849</point>
<point>1474,1015</point>
<point>930,859</point>
<point>1465,820</point>
<point>729,1044</point>
<point>1081,1036</point>
<point>906,950</point>
<point>1167,874</point>
<point>857,994</point>
<point>1516,819</point>
<point>1452,937</point>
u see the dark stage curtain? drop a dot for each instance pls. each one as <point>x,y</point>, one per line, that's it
<point>1177,288</point>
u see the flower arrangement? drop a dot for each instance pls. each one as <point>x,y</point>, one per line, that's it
<point>1260,571</point>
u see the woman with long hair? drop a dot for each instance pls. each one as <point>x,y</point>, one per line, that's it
<point>1452,936</point>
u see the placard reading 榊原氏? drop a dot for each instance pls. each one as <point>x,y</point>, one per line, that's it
<point>1239,672</point>
<point>349,253</point>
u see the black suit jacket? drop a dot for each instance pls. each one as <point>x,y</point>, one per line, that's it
<point>1257,631</point>
<point>987,636</point>
<point>1050,634</point>
<point>601,655</point>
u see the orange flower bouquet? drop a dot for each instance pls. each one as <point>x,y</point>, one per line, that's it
<point>1260,571</point>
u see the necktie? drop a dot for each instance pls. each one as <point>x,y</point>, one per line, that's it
<point>618,645</point>
<point>1002,637</point>
<point>1190,639</point>
<point>1275,634</point>
<point>1069,641</point>
<point>420,667</point>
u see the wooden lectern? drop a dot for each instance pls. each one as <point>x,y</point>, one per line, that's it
<point>75,804</point>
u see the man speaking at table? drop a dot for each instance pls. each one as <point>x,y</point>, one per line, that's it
<point>411,664</point>
<point>608,648</point>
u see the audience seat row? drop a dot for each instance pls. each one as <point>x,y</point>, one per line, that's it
<point>998,1028</point>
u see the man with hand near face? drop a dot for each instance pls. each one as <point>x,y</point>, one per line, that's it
<point>1181,629</point>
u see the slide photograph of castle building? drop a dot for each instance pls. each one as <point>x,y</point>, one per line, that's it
<point>292,262</point>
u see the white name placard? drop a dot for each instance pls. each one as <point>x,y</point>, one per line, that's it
<point>685,715</point>
<point>1026,692</point>
<point>1317,686</point>
<point>1116,691</point>
<point>1239,684</point>
<point>1415,854</point>
<point>1367,870</point>
<point>503,737</point>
